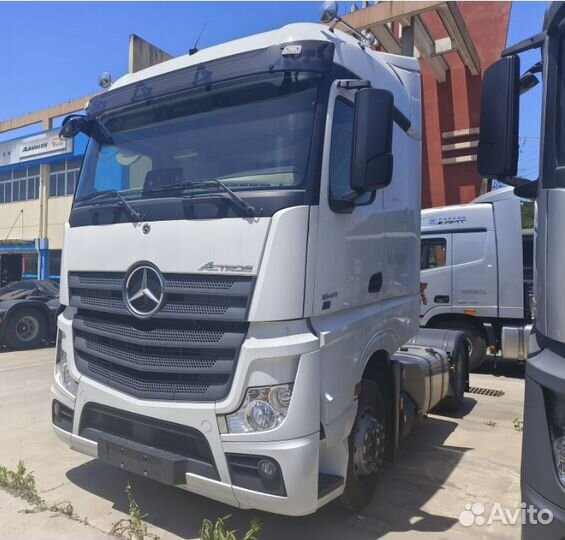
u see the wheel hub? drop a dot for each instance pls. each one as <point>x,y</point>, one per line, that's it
<point>27,328</point>
<point>368,445</point>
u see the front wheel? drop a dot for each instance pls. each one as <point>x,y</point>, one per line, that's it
<point>26,329</point>
<point>367,444</point>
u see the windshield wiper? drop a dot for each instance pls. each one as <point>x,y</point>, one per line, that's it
<point>247,209</point>
<point>130,210</point>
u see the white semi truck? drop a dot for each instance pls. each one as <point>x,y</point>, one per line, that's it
<point>476,267</point>
<point>240,273</point>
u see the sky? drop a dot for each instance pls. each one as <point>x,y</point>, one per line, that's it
<point>54,51</point>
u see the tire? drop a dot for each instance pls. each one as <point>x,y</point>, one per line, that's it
<point>26,329</point>
<point>457,380</point>
<point>362,474</point>
<point>476,342</point>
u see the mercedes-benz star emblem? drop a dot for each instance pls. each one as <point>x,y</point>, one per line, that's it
<point>143,290</point>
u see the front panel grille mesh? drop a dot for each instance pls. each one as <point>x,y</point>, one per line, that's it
<point>187,351</point>
<point>130,381</point>
<point>154,334</point>
<point>186,297</point>
<point>160,358</point>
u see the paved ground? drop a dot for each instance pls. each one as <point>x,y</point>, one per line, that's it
<point>445,464</point>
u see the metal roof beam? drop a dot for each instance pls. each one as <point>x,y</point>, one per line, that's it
<point>426,47</point>
<point>44,116</point>
<point>455,25</point>
<point>384,12</point>
<point>386,38</point>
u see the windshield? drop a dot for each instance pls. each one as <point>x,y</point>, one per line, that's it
<point>50,287</point>
<point>251,134</point>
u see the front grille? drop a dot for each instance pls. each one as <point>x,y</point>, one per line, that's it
<point>140,383</point>
<point>187,351</point>
<point>186,297</point>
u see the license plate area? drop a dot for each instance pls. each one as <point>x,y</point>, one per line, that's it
<point>159,465</point>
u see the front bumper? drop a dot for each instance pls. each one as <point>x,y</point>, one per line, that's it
<point>555,530</point>
<point>298,461</point>
<point>294,445</point>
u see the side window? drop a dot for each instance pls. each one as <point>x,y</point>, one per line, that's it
<point>340,153</point>
<point>433,253</point>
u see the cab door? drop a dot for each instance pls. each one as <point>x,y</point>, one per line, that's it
<point>350,239</point>
<point>435,274</point>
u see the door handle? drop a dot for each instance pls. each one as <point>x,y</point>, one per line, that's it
<point>441,299</point>
<point>376,282</point>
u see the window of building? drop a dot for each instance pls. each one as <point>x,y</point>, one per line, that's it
<point>19,185</point>
<point>63,178</point>
<point>433,253</point>
<point>29,266</point>
<point>54,263</point>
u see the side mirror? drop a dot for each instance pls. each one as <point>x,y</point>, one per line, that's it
<point>498,139</point>
<point>371,157</point>
<point>73,125</point>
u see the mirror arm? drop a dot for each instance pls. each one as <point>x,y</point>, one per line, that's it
<point>401,120</point>
<point>356,84</point>
<point>515,181</point>
<point>353,84</point>
<point>534,42</point>
<point>528,190</point>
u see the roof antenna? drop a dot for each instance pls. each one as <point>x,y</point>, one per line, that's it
<point>194,49</point>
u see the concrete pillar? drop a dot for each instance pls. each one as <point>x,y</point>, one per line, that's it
<point>43,252</point>
<point>407,42</point>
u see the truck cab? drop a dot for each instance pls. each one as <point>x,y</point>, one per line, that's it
<point>476,272</point>
<point>240,268</point>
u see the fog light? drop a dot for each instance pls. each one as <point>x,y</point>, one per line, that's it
<point>559,455</point>
<point>267,469</point>
<point>260,415</point>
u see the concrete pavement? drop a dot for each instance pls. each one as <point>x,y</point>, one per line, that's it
<point>446,463</point>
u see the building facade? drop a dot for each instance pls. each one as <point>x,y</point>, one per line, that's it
<point>455,42</point>
<point>38,174</point>
<point>452,108</point>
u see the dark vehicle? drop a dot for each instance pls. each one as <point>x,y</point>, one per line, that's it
<point>543,442</point>
<point>28,313</point>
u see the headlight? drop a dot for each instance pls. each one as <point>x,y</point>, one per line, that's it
<point>62,371</point>
<point>262,409</point>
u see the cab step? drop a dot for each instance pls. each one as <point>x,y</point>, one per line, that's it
<point>328,483</point>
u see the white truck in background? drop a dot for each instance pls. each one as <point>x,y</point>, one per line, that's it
<point>477,274</point>
<point>240,273</point>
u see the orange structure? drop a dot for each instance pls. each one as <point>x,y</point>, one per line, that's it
<point>456,42</point>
